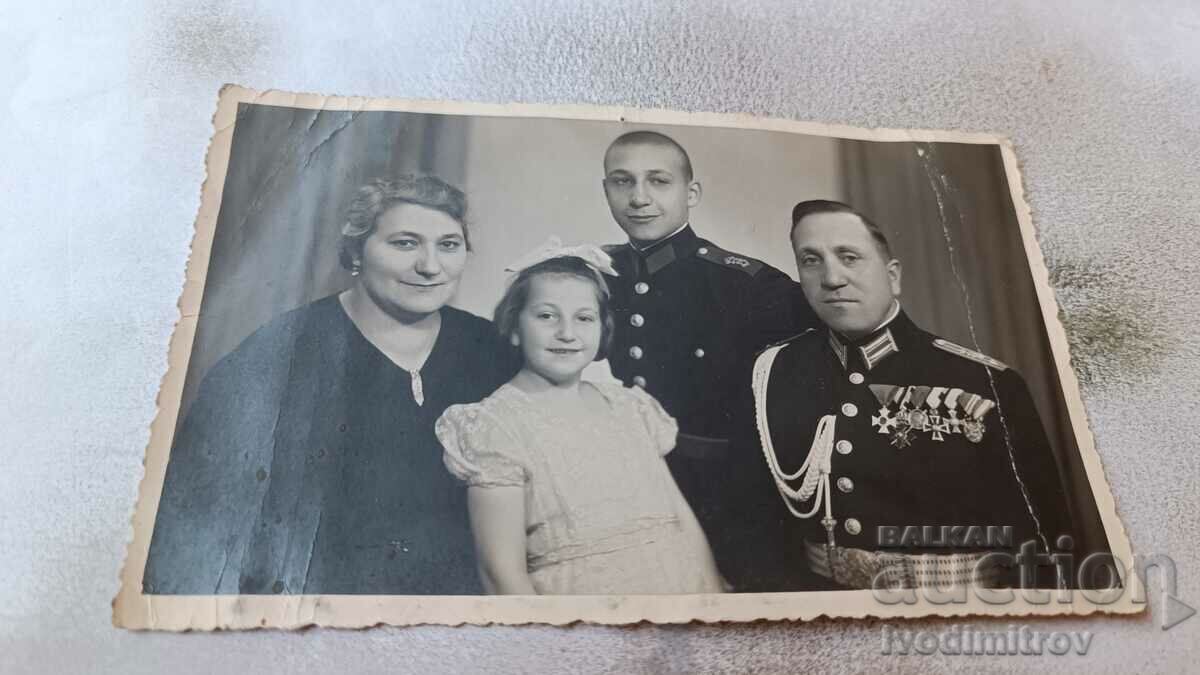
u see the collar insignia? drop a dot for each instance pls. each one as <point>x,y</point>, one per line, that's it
<point>878,349</point>
<point>659,259</point>
<point>838,348</point>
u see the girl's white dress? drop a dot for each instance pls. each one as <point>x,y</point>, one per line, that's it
<point>599,499</point>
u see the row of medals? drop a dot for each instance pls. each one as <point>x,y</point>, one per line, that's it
<point>906,420</point>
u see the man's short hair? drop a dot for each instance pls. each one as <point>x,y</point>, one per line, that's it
<point>815,206</point>
<point>655,138</point>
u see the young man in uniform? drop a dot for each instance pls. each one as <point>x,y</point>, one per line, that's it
<point>690,317</point>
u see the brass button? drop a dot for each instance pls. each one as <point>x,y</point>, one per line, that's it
<point>635,351</point>
<point>856,378</point>
<point>699,353</point>
<point>853,526</point>
<point>849,409</point>
<point>637,320</point>
<point>845,484</point>
<point>703,250</point>
<point>639,381</point>
<point>844,447</point>
<point>641,288</point>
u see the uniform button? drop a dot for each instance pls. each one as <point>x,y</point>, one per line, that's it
<point>699,353</point>
<point>856,378</point>
<point>703,250</point>
<point>635,351</point>
<point>849,409</point>
<point>845,484</point>
<point>853,526</point>
<point>641,288</point>
<point>637,320</point>
<point>844,447</point>
<point>639,381</point>
<point>277,587</point>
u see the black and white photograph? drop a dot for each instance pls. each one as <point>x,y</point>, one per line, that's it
<point>622,365</point>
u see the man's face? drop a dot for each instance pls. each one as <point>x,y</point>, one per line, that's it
<point>648,193</point>
<point>845,276</point>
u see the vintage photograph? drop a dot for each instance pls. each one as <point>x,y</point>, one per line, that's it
<point>458,363</point>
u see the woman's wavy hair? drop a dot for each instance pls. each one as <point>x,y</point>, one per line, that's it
<point>381,194</point>
<point>517,295</point>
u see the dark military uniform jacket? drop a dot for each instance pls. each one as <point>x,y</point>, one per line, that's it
<point>690,317</point>
<point>924,433</point>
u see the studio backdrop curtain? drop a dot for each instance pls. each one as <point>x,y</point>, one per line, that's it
<point>948,215</point>
<point>292,173</point>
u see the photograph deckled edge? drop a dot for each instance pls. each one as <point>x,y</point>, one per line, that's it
<point>134,610</point>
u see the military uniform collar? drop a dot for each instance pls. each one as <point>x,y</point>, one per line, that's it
<point>680,244</point>
<point>877,347</point>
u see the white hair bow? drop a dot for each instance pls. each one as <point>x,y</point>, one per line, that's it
<point>553,248</point>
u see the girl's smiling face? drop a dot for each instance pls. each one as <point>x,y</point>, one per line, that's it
<point>559,328</point>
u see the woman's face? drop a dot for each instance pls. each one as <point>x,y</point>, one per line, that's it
<point>558,331</point>
<point>412,262</point>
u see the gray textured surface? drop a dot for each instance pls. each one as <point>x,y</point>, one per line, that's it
<point>104,131</point>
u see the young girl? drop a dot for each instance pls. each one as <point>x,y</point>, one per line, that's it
<point>568,490</point>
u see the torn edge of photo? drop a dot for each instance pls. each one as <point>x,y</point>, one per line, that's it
<point>462,363</point>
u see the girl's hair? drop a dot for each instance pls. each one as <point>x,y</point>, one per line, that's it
<point>517,295</point>
<point>381,194</point>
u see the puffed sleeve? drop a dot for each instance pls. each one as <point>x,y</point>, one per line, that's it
<point>660,425</point>
<point>478,450</point>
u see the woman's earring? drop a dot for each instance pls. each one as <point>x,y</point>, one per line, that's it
<point>356,268</point>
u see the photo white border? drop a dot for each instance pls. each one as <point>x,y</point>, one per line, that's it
<point>134,610</point>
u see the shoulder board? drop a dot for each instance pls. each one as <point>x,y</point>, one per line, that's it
<point>718,255</point>
<point>789,340</point>
<point>971,354</point>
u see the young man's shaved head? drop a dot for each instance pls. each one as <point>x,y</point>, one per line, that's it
<point>656,139</point>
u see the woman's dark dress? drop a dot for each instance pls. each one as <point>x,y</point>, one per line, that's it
<point>305,466</point>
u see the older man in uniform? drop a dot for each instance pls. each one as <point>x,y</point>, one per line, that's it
<point>886,442</point>
<point>690,316</point>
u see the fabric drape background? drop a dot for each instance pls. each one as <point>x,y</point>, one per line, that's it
<point>292,173</point>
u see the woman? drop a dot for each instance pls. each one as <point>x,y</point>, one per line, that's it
<point>308,463</point>
<point>569,492</point>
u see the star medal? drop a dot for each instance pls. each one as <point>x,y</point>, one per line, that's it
<point>973,429</point>
<point>901,436</point>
